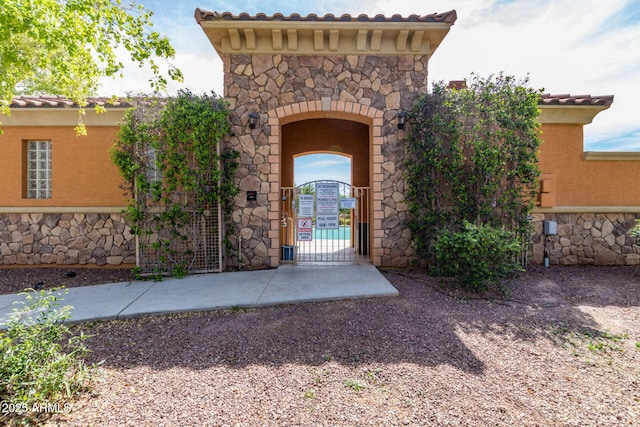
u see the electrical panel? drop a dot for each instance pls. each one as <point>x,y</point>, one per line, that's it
<point>550,228</point>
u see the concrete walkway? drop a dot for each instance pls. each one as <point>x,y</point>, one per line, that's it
<point>202,292</point>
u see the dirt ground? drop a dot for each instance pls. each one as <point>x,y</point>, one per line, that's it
<point>14,280</point>
<point>561,349</point>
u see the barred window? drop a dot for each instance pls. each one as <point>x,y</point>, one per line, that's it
<point>38,169</point>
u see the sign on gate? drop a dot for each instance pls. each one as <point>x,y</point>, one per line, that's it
<point>348,203</point>
<point>305,205</point>
<point>327,222</point>
<point>305,229</point>
<point>318,231</point>
<point>327,198</point>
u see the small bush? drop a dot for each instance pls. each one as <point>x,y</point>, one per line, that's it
<point>476,255</point>
<point>38,369</point>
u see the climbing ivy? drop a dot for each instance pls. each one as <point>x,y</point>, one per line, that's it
<point>472,158</point>
<point>168,153</point>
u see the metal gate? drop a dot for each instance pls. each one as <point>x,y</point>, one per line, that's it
<point>324,221</point>
<point>198,248</point>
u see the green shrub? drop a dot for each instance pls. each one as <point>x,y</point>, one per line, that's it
<point>39,371</point>
<point>472,154</point>
<point>476,255</point>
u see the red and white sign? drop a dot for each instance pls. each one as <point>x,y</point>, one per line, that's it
<point>305,229</point>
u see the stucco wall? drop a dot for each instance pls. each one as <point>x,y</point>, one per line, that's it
<point>82,171</point>
<point>580,182</point>
<point>593,201</point>
<point>82,222</point>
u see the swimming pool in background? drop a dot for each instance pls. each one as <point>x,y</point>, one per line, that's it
<point>342,233</point>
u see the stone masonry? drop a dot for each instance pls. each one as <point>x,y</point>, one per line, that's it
<point>45,238</point>
<point>587,238</point>
<point>281,88</point>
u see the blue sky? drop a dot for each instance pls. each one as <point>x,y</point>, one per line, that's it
<point>314,167</point>
<point>565,46</point>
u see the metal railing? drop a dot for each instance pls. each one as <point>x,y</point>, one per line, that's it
<point>329,223</point>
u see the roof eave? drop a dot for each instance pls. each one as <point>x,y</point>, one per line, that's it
<point>325,37</point>
<point>569,113</point>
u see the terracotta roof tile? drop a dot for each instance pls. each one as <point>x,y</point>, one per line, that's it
<point>567,99</point>
<point>205,15</point>
<point>62,102</point>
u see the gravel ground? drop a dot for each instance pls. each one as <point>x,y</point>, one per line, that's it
<point>14,280</point>
<point>563,349</point>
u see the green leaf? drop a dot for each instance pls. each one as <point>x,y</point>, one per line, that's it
<point>61,47</point>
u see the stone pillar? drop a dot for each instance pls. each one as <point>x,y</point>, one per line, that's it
<point>285,88</point>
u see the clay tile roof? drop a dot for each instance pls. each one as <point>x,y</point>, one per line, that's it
<point>204,15</point>
<point>567,99</point>
<point>62,102</point>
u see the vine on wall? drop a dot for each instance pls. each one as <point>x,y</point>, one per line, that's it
<point>168,152</point>
<point>473,158</point>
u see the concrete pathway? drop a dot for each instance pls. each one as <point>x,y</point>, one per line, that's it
<point>202,292</point>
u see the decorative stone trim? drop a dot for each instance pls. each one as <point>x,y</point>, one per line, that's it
<point>66,239</point>
<point>587,238</point>
<point>61,209</point>
<point>611,155</point>
<point>325,35</point>
<point>571,114</point>
<point>61,116</point>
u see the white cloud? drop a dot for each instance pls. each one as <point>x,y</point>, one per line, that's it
<point>326,163</point>
<point>314,167</point>
<point>565,46</point>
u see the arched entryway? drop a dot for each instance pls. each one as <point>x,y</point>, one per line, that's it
<point>281,70</point>
<point>345,237</point>
<point>326,135</point>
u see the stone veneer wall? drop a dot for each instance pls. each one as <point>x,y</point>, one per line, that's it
<point>286,88</point>
<point>587,238</point>
<point>46,238</point>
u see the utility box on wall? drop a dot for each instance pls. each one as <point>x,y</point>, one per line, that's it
<point>550,228</point>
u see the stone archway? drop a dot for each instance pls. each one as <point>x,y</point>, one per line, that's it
<point>335,136</point>
<point>325,135</point>
<point>281,70</point>
<point>358,121</point>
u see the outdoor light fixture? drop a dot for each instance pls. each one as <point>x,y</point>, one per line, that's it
<point>253,119</point>
<point>402,119</point>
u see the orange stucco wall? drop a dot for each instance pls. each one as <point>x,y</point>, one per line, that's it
<point>83,174</point>
<point>579,182</point>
